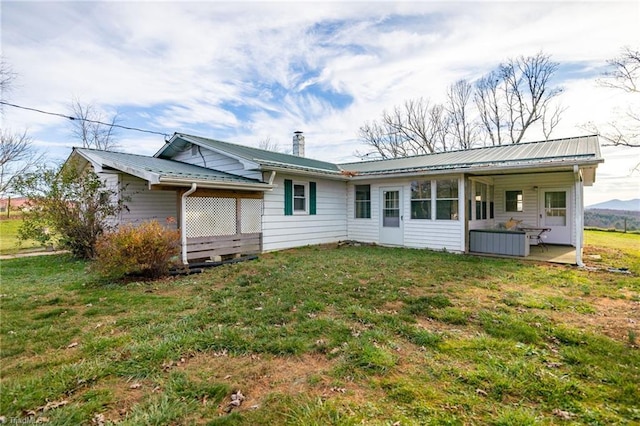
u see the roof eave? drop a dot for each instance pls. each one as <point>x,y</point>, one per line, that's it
<point>100,163</point>
<point>203,183</point>
<point>485,169</point>
<point>166,145</point>
<point>306,172</point>
<point>247,163</point>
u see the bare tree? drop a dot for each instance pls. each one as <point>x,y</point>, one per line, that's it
<point>385,140</point>
<point>414,128</point>
<point>268,144</point>
<point>552,116</point>
<point>517,95</point>
<point>488,102</point>
<point>461,124</point>
<point>17,153</point>
<point>624,75</point>
<point>17,157</point>
<point>7,78</point>
<point>92,127</point>
<point>625,71</point>
<point>502,106</point>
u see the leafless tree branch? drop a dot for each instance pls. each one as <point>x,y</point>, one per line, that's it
<point>17,157</point>
<point>624,75</point>
<point>517,95</point>
<point>461,125</point>
<point>625,71</point>
<point>88,127</point>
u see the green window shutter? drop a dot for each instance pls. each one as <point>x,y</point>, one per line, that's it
<point>312,198</point>
<point>288,197</point>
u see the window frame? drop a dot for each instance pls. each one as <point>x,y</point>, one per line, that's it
<point>305,186</point>
<point>481,198</point>
<point>416,190</point>
<point>519,204</point>
<point>362,208</point>
<point>454,208</point>
<point>310,197</point>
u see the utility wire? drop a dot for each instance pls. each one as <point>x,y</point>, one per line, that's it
<point>83,119</point>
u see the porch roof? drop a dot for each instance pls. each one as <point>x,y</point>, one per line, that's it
<point>159,171</point>
<point>557,153</point>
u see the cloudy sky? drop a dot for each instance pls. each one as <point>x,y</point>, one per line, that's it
<point>247,71</point>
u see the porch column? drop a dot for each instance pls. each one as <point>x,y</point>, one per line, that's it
<point>579,215</point>
<point>462,208</point>
<point>183,222</point>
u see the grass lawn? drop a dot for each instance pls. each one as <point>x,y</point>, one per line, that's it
<point>9,242</point>
<point>326,335</point>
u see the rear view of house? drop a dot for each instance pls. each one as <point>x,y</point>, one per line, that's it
<point>233,199</point>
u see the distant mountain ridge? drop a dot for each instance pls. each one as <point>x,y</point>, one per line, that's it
<point>625,205</point>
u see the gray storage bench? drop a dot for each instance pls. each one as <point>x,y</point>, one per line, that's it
<point>499,241</point>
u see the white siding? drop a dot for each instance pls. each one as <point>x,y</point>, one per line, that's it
<point>145,204</point>
<point>327,225</point>
<point>213,160</point>
<point>418,233</point>
<point>111,181</point>
<point>364,230</point>
<point>532,185</point>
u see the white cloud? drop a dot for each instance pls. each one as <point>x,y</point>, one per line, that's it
<point>244,71</point>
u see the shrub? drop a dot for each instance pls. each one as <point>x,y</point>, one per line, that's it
<point>70,202</point>
<point>148,250</point>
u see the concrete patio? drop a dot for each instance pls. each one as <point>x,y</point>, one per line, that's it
<point>553,254</point>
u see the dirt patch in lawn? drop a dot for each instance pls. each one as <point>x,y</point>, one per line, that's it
<point>257,377</point>
<point>125,395</point>
<point>618,319</point>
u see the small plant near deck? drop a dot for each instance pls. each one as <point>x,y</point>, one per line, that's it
<point>145,250</point>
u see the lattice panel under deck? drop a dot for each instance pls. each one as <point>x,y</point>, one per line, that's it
<point>210,216</point>
<point>250,215</point>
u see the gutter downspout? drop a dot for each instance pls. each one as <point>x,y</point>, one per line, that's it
<point>272,177</point>
<point>183,221</point>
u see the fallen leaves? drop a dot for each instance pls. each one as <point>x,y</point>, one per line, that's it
<point>50,405</point>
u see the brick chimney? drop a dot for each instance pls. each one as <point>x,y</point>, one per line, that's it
<point>298,143</point>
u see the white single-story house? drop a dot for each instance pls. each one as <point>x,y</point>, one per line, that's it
<point>229,199</point>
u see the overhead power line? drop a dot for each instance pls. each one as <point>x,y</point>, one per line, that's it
<point>69,117</point>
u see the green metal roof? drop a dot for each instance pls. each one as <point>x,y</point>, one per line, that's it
<point>144,167</point>
<point>262,158</point>
<point>569,151</point>
<point>558,154</point>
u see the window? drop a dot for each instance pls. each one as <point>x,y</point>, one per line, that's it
<point>363,201</point>
<point>421,199</point>
<point>513,201</point>
<point>481,200</point>
<point>447,199</point>
<point>299,197</point>
<point>555,207</point>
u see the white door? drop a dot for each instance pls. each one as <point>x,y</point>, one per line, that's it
<point>555,213</point>
<point>391,216</point>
